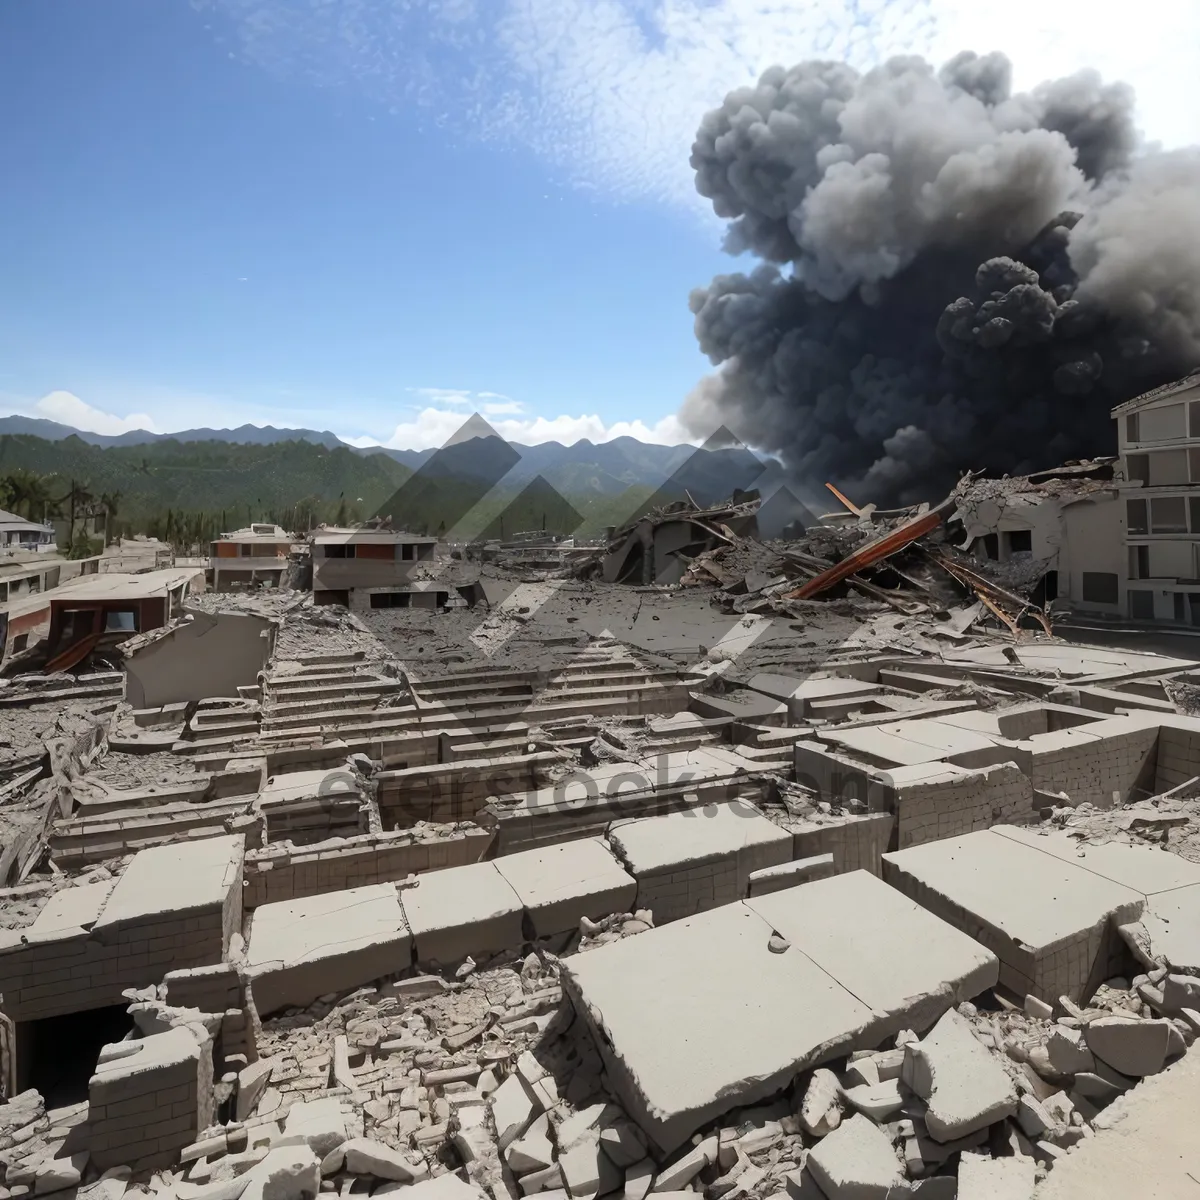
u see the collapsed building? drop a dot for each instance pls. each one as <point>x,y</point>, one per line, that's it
<point>757,882</point>
<point>688,863</point>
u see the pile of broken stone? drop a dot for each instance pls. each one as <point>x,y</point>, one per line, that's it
<point>484,1083</point>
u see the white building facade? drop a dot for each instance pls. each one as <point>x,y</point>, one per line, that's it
<point>1159,517</point>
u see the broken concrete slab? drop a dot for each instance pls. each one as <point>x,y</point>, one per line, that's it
<point>863,933</point>
<point>305,948</point>
<point>1144,869</point>
<point>816,999</point>
<point>1144,1145</point>
<point>856,1162</point>
<point>363,1156</point>
<point>513,1110</point>
<point>462,912</point>
<point>786,875</point>
<point>794,1016</point>
<point>1052,935</point>
<point>560,884</point>
<point>965,1088</point>
<point>1131,1046</point>
<point>318,1124</point>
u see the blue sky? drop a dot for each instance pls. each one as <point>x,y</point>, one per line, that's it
<point>373,216</point>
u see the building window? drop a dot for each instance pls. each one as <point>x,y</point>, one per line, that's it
<point>1135,516</point>
<point>1180,607</point>
<point>1137,468</point>
<point>1141,605</point>
<point>1194,608</point>
<point>1020,541</point>
<point>1165,424</point>
<point>1194,419</point>
<point>247,550</point>
<point>1131,428</point>
<point>20,642</point>
<point>390,600</point>
<point>1139,562</point>
<point>340,550</point>
<point>1100,587</point>
<point>1168,514</point>
<point>1168,468</point>
<point>991,545</point>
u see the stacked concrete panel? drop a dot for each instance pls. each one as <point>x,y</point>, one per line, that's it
<point>941,800</point>
<point>1104,763</point>
<point>175,906</point>
<point>1050,922</point>
<point>691,861</point>
<point>585,804</point>
<point>150,1098</point>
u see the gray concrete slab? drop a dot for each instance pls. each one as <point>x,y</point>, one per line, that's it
<point>655,843</point>
<point>1145,869</point>
<point>305,948</point>
<point>177,878</point>
<point>905,964</point>
<point>1047,920</point>
<point>72,908</point>
<point>701,1016</point>
<point>560,884</point>
<point>698,1016</point>
<point>463,911</point>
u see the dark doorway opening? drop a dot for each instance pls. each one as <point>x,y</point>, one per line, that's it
<point>63,1051</point>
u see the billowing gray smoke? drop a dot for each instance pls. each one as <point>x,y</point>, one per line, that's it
<point>952,276</point>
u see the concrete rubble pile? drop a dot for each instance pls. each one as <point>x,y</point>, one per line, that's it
<point>646,891</point>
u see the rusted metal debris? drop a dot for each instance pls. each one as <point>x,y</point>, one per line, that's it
<point>1006,605</point>
<point>876,551</point>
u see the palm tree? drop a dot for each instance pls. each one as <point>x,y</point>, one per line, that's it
<point>28,494</point>
<point>110,501</point>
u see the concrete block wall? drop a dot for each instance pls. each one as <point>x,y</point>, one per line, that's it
<point>838,779</point>
<point>857,843</point>
<point>281,873</point>
<point>952,801</point>
<point>541,821</point>
<point>146,1104</point>
<point>309,819</point>
<point>82,970</point>
<point>690,888</point>
<point>216,989</point>
<point>1178,756</point>
<point>1092,763</point>
<point>82,841</point>
<point>443,793</point>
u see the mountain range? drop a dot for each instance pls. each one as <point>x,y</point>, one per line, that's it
<point>583,469</point>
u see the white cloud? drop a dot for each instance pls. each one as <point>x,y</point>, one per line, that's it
<point>431,427</point>
<point>68,409</point>
<point>444,395</point>
<point>611,91</point>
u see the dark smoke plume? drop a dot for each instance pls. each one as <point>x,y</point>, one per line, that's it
<point>953,276</point>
